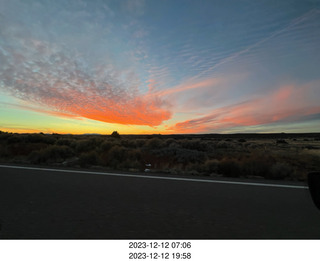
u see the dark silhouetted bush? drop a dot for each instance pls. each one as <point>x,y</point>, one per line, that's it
<point>15,138</point>
<point>107,145</point>
<point>40,138</point>
<point>223,145</point>
<point>229,168</point>
<point>117,153</point>
<point>256,166</point>
<point>310,147</point>
<point>187,156</point>
<point>4,151</point>
<point>86,145</point>
<point>154,143</point>
<point>281,142</point>
<point>66,142</point>
<point>4,136</point>
<point>51,154</point>
<point>115,156</point>
<point>169,141</point>
<point>211,166</point>
<point>194,145</point>
<point>87,159</point>
<point>280,170</point>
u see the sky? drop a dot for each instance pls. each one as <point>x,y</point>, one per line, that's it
<point>150,67</point>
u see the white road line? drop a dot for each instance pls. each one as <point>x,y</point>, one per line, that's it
<point>159,177</point>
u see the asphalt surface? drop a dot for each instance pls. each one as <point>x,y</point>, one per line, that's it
<point>44,204</point>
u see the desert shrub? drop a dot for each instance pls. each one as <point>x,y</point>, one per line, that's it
<point>186,156</point>
<point>88,159</point>
<point>107,145</point>
<point>180,155</point>
<point>176,169</point>
<point>134,154</point>
<point>128,143</point>
<point>63,141</point>
<point>281,142</point>
<point>242,140</point>
<point>223,145</point>
<point>154,143</point>
<point>308,161</point>
<point>117,153</point>
<point>86,144</point>
<point>57,152</point>
<point>280,170</point>
<point>140,143</point>
<point>165,152</point>
<point>3,151</point>
<point>229,168</point>
<point>211,147</point>
<point>51,154</point>
<point>115,156</point>
<point>169,141</point>
<point>23,149</point>
<point>37,157</point>
<point>255,166</point>
<point>15,138</point>
<point>194,145</point>
<point>40,138</point>
<point>254,146</point>
<point>175,145</point>
<point>4,135</point>
<point>310,147</point>
<point>211,166</point>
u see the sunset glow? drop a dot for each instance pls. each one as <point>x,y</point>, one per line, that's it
<point>165,67</point>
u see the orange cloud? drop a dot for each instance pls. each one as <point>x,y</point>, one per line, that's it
<point>137,110</point>
<point>53,78</point>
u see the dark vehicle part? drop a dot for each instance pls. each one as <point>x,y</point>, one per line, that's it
<point>314,187</point>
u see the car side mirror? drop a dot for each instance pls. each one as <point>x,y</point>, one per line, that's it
<point>314,187</point>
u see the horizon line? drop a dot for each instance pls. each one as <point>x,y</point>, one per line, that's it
<point>167,134</point>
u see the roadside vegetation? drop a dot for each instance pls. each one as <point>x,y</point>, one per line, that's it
<point>281,156</point>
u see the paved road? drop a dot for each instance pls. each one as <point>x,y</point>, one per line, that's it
<point>48,204</point>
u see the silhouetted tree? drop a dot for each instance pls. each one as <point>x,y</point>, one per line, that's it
<point>115,134</point>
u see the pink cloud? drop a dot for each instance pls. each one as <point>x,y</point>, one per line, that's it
<point>287,104</point>
<point>188,86</point>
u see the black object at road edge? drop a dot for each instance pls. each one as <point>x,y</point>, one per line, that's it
<point>314,187</point>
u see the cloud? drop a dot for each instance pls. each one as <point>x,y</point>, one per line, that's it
<point>289,103</point>
<point>134,7</point>
<point>40,110</point>
<point>187,86</point>
<point>55,80</point>
<point>214,62</point>
<point>93,59</point>
<point>58,76</point>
